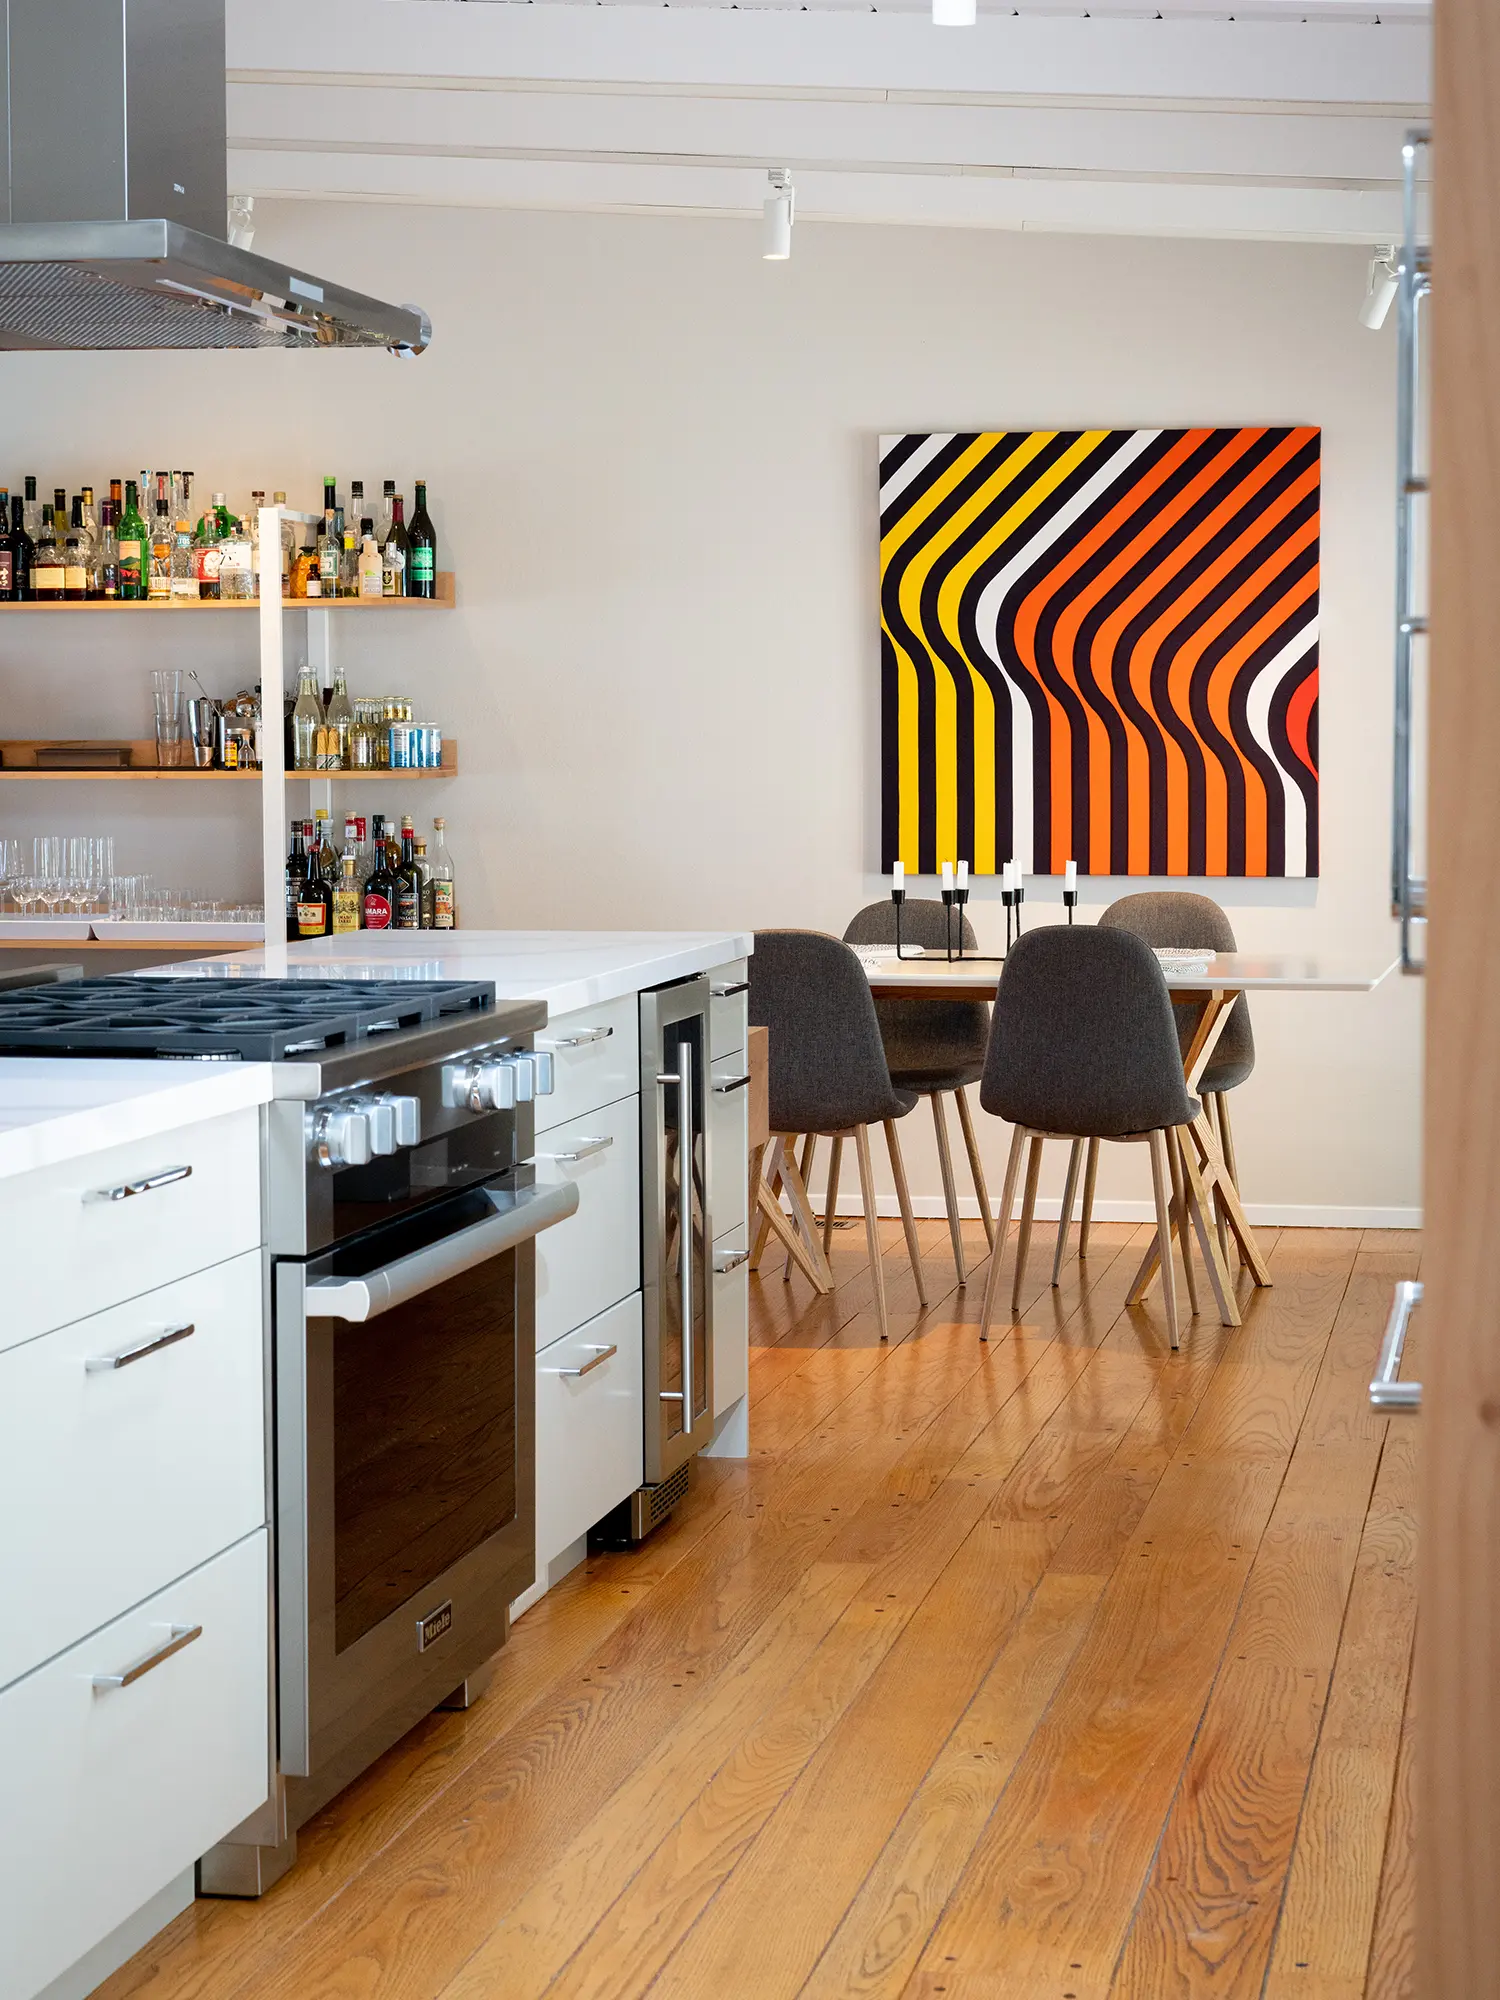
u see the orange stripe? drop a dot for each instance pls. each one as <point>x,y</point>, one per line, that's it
<point>1220,689</point>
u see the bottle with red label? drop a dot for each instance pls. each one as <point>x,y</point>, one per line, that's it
<point>381,888</point>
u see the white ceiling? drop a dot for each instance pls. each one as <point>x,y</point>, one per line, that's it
<point>1285,121</point>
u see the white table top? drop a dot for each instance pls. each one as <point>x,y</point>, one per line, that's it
<point>1227,972</point>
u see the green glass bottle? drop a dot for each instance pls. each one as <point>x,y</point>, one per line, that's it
<point>135,548</point>
<point>423,566</point>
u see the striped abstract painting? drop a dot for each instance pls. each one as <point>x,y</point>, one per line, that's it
<point>1101,646</point>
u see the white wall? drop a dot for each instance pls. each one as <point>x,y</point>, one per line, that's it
<point>652,462</point>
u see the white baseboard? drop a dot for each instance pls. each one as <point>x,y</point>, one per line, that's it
<point>1268,1214</point>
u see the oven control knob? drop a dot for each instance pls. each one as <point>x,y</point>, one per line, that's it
<point>340,1137</point>
<point>541,1062</point>
<point>381,1114</point>
<point>523,1070</point>
<point>408,1115</point>
<point>482,1085</point>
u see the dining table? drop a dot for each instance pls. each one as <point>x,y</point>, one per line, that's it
<point>1217,980</point>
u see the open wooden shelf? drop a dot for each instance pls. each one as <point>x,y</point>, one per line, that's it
<point>19,753</point>
<point>444,601</point>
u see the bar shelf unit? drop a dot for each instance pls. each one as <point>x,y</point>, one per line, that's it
<point>444,601</point>
<point>17,762</point>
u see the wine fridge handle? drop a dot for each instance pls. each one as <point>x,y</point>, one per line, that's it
<point>682,1077</point>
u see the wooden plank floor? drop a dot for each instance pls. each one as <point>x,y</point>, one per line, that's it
<point>1056,1668</point>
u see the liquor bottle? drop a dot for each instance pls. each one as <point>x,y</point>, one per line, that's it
<point>408,881</point>
<point>208,546</point>
<point>329,542</point>
<point>60,512</point>
<point>289,543</point>
<point>296,880</point>
<point>323,849</point>
<point>424,870</point>
<point>371,579</point>
<point>107,554</point>
<point>48,572</point>
<point>91,529</point>
<point>237,561</point>
<point>348,556</point>
<point>364,854</point>
<point>383,518</point>
<point>135,550</point>
<point>186,587</point>
<point>31,516</point>
<point>7,564</point>
<point>22,554</point>
<point>423,535</point>
<point>347,901</point>
<point>307,718</point>
<point>159,588</point>
<point>444,902</point>
<point>380,890</point>
<point>315,896</point>
<point>75,557</point>
<point>116,500</point>
<point>340,723</point>
<point>394,553</point>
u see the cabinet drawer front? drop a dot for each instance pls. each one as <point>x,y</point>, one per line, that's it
<point>589,1450</point>
<point>728,1011</point>
<point>110,1792</point>
<point>594,1258</point>
<point>118,1478</point>
<point>77,1241</point>
<point>596,1056</point>
<point>728,1126</point>
<point>731,1319</point>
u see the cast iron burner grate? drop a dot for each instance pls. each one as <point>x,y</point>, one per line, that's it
<point>251,1020</point>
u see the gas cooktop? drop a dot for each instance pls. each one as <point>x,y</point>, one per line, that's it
<point>250,1020</point>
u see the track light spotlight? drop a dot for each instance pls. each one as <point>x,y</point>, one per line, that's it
<point>780,213</point>
<point>954,13</point>
<point>1381,287</point>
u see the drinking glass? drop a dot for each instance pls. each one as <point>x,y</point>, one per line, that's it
<point>166,692</point>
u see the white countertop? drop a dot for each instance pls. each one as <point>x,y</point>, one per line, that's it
<point>1225,972</point>
<point>567,969</point>
<point>57,1108</point>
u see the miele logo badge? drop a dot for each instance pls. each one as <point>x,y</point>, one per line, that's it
<point>431,1628</point>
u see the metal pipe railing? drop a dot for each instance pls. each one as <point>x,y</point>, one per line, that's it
<point>1408,892</point>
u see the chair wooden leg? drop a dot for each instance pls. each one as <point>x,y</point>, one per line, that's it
<point>831,1198</point>
<point>903,1197</point>
<point>802,1215</point>
<point>1180,1220</point>
<point>950,1191</point>
<point>1202,1220</point>
<point>1028,1210</point>
<point>1160,1183</point>
<point>872,1224</point>
<point>976,1166</point>
<point>1065,1220</point>
<point>1002,1229</point>
<point>771,1160</point>
<point>1090,1175</point>
<point>776,1223</point>
<point>804,1170</point>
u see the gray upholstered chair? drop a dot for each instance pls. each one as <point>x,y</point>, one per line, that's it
<point>1083,1047</point>
<point>935,1048</point>
<point>1179,917</point>
<point>827,1074</point>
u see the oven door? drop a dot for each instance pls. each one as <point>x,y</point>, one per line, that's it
<point>405,1420</point>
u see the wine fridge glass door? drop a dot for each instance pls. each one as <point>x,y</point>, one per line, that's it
<point>677,1285</point>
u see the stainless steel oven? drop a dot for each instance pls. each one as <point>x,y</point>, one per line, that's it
<point>405,1469</point>
<point>677,1231</point>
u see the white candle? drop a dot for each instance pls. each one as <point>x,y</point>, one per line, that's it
<point>898,875</point>
<point>1070,878</point>
<point>947,874</point>
<point>963,874</point>
<point>1008,877</point>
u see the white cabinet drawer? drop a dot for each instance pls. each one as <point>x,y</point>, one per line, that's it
<point>115,1479</point>
<point>728,1013</point>
<point>110,1792</point>
<point>71,1249</point>
<point>731,1320</point>
<point>589,1428</point>
<point>594,1258</point>
<point>596,1055</point>
<point>728,1128</point>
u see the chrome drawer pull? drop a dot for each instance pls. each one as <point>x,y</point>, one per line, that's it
<point>182,1635</point>
<point>731,1083</point>
<point>1388,1393</point>
<point>123,1192</point>
<point>601,1355</point>
<point>100,1364</point>
<point>731,1260</point>
<point>728,992</point>
<point>580,1040</point>
<point>582,1149</point>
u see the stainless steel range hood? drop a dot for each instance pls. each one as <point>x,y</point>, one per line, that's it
<point>115,196</point>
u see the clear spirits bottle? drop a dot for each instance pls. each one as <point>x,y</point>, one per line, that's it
<point>107,563</point>
<point>289,544</point>
<point>383,518</point>
<point>444,900</point>
<point>76,556</point>
<point>307,717</point>
<point>31,514</point>
<point>424,872</point>
<point>47,572</point>
<point>348,903</point>
<point>340,724</point>
<point>186,584</point>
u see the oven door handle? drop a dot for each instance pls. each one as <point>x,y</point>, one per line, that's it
<point>520,1217</point>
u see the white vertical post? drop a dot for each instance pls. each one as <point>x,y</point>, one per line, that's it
<point>273,760</point>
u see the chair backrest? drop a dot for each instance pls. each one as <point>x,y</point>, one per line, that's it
<point>939,1038</point>
<point>828,1069</point>
<point>1082,1038</point>
<point>1178,917</point>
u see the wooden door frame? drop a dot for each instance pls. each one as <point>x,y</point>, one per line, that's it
<point>1458,1651</point>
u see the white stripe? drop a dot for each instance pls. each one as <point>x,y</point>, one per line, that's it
<point>987,623</point>
<point>1263,691</point>
<point>920,459</point>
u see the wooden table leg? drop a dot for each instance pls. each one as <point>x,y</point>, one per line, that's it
<point>1201,1212</point>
